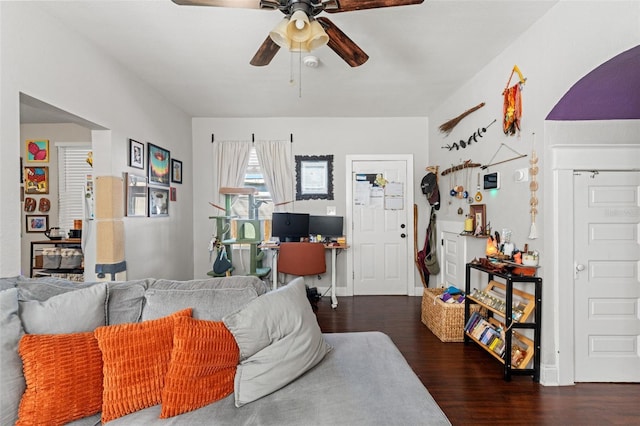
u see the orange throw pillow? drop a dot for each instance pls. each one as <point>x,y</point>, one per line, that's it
<point>64,378</point>
<point>136,359</point>
<point>202,368</point>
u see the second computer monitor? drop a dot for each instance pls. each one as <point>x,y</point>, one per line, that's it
<point>327,226</point>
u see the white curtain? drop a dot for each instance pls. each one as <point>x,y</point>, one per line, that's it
<point>230,159</point>
<point>276,162</point>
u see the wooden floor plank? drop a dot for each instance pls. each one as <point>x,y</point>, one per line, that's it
<point>467,382</point>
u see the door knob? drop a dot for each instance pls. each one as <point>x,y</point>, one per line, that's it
<point>403,226</point>
<point>579,267</point>
<point>403,235</point>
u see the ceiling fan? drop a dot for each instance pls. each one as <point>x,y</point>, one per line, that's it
<point>300,30</point>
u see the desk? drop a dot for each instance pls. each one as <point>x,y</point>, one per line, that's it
<point>334,254</point>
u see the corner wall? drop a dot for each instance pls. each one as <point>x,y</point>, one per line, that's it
<point>43,59</point>
<point>572,39</point>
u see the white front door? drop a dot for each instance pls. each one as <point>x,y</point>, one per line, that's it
<point>607,276</point>
<point>381,228</point>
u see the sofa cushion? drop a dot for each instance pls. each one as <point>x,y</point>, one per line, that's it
<point>125,301</point>
<point>208,304</point>
<point>63,373</point>
<point>236,281</point>
<point>279,339</point>
<point>70,312</point>
<point>202,368</point>
<point>12,382</point>
<point>136,359</point>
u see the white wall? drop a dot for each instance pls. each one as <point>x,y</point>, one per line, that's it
<point>44,60</point>
<point>558,50</point>
<point>311,136</point>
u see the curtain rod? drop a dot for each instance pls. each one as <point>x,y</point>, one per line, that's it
<point>253,137</point>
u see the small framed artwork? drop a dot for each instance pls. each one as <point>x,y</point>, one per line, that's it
<point>478,213</point>
<point>314,177</point>
<point>176,171</point>
<point>136,154</point>
<point>158,202</point>
<point>158,160</point>
<point>37,222</point>
<point>136,195</point>
<point>36,180</point>
<point>37,150</point>
<point>173,196</point>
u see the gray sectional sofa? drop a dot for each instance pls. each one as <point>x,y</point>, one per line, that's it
<point>289,373</point>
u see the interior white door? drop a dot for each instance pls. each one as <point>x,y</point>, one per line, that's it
<point>453,264</point>
<point>607,277</point>
<point>380,228</point>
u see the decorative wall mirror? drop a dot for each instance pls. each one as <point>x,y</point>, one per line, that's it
<point>314,177</point>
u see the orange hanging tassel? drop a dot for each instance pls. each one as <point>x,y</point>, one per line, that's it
<point>512,104</point>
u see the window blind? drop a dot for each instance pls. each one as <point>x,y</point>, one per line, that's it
<point>73,170</point>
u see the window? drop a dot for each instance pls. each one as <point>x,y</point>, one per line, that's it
<point>73,172</point>
<point>254,178</point>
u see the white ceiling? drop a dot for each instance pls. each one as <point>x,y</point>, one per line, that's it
<point>198,57</point>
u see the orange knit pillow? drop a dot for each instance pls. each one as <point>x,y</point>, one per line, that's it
<point>64,378</point>
<point>202,368</point>
<point>136,359</point>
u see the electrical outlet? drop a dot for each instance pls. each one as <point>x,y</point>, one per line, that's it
<point>331,210</point>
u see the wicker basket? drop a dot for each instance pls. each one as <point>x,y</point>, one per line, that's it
<point>445,320</point>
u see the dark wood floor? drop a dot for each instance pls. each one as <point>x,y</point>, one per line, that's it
<point>467,382</point>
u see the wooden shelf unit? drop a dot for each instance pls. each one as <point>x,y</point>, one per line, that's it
<point>513,330</point>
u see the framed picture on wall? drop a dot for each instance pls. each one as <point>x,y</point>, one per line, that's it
<point>158,202</point>
<point>478,213</point>
<point>314,177</point>
<point>136,154</point>
<point>176,171</point>
<point>158,160</point>
<point>37,150</point>
<point>37,222</point>
<point>136,195</point>
<point>36,180</point>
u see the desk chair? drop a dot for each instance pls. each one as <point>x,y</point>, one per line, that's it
<point>302,259</point>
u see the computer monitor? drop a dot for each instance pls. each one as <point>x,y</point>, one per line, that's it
<point>327,226</point>
<point>290,227</point>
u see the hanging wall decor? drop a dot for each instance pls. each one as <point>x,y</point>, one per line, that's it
<point>533,187</point>
<point>448,126</point>
<point>473,138</point>
<point>512,104</point>
<point>36,180</point>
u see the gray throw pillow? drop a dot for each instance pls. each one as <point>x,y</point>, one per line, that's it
<point>207,303</point>
<point>279,340</point>
<point>71,312</point>
<point>12,384</point>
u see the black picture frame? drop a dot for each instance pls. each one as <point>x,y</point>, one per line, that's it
<point>158,162</point>
<point>136,154</point>
<point>176,171</point>
<point>314,177</point>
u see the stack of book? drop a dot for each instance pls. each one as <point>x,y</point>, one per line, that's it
<point>484,332</point>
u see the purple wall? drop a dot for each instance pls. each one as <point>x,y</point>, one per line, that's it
<point>609,92</point>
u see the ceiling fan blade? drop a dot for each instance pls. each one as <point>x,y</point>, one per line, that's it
<point>351,5</point>
<point>343,45</point>
<point>265,53</point>
<point>245,4</point>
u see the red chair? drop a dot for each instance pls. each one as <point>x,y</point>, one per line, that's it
<point>302,259</point>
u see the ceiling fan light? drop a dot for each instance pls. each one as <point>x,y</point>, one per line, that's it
<point>298,28</point>
<point>279,34</point>
<point>299,46</point>
<point>318,37</point>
